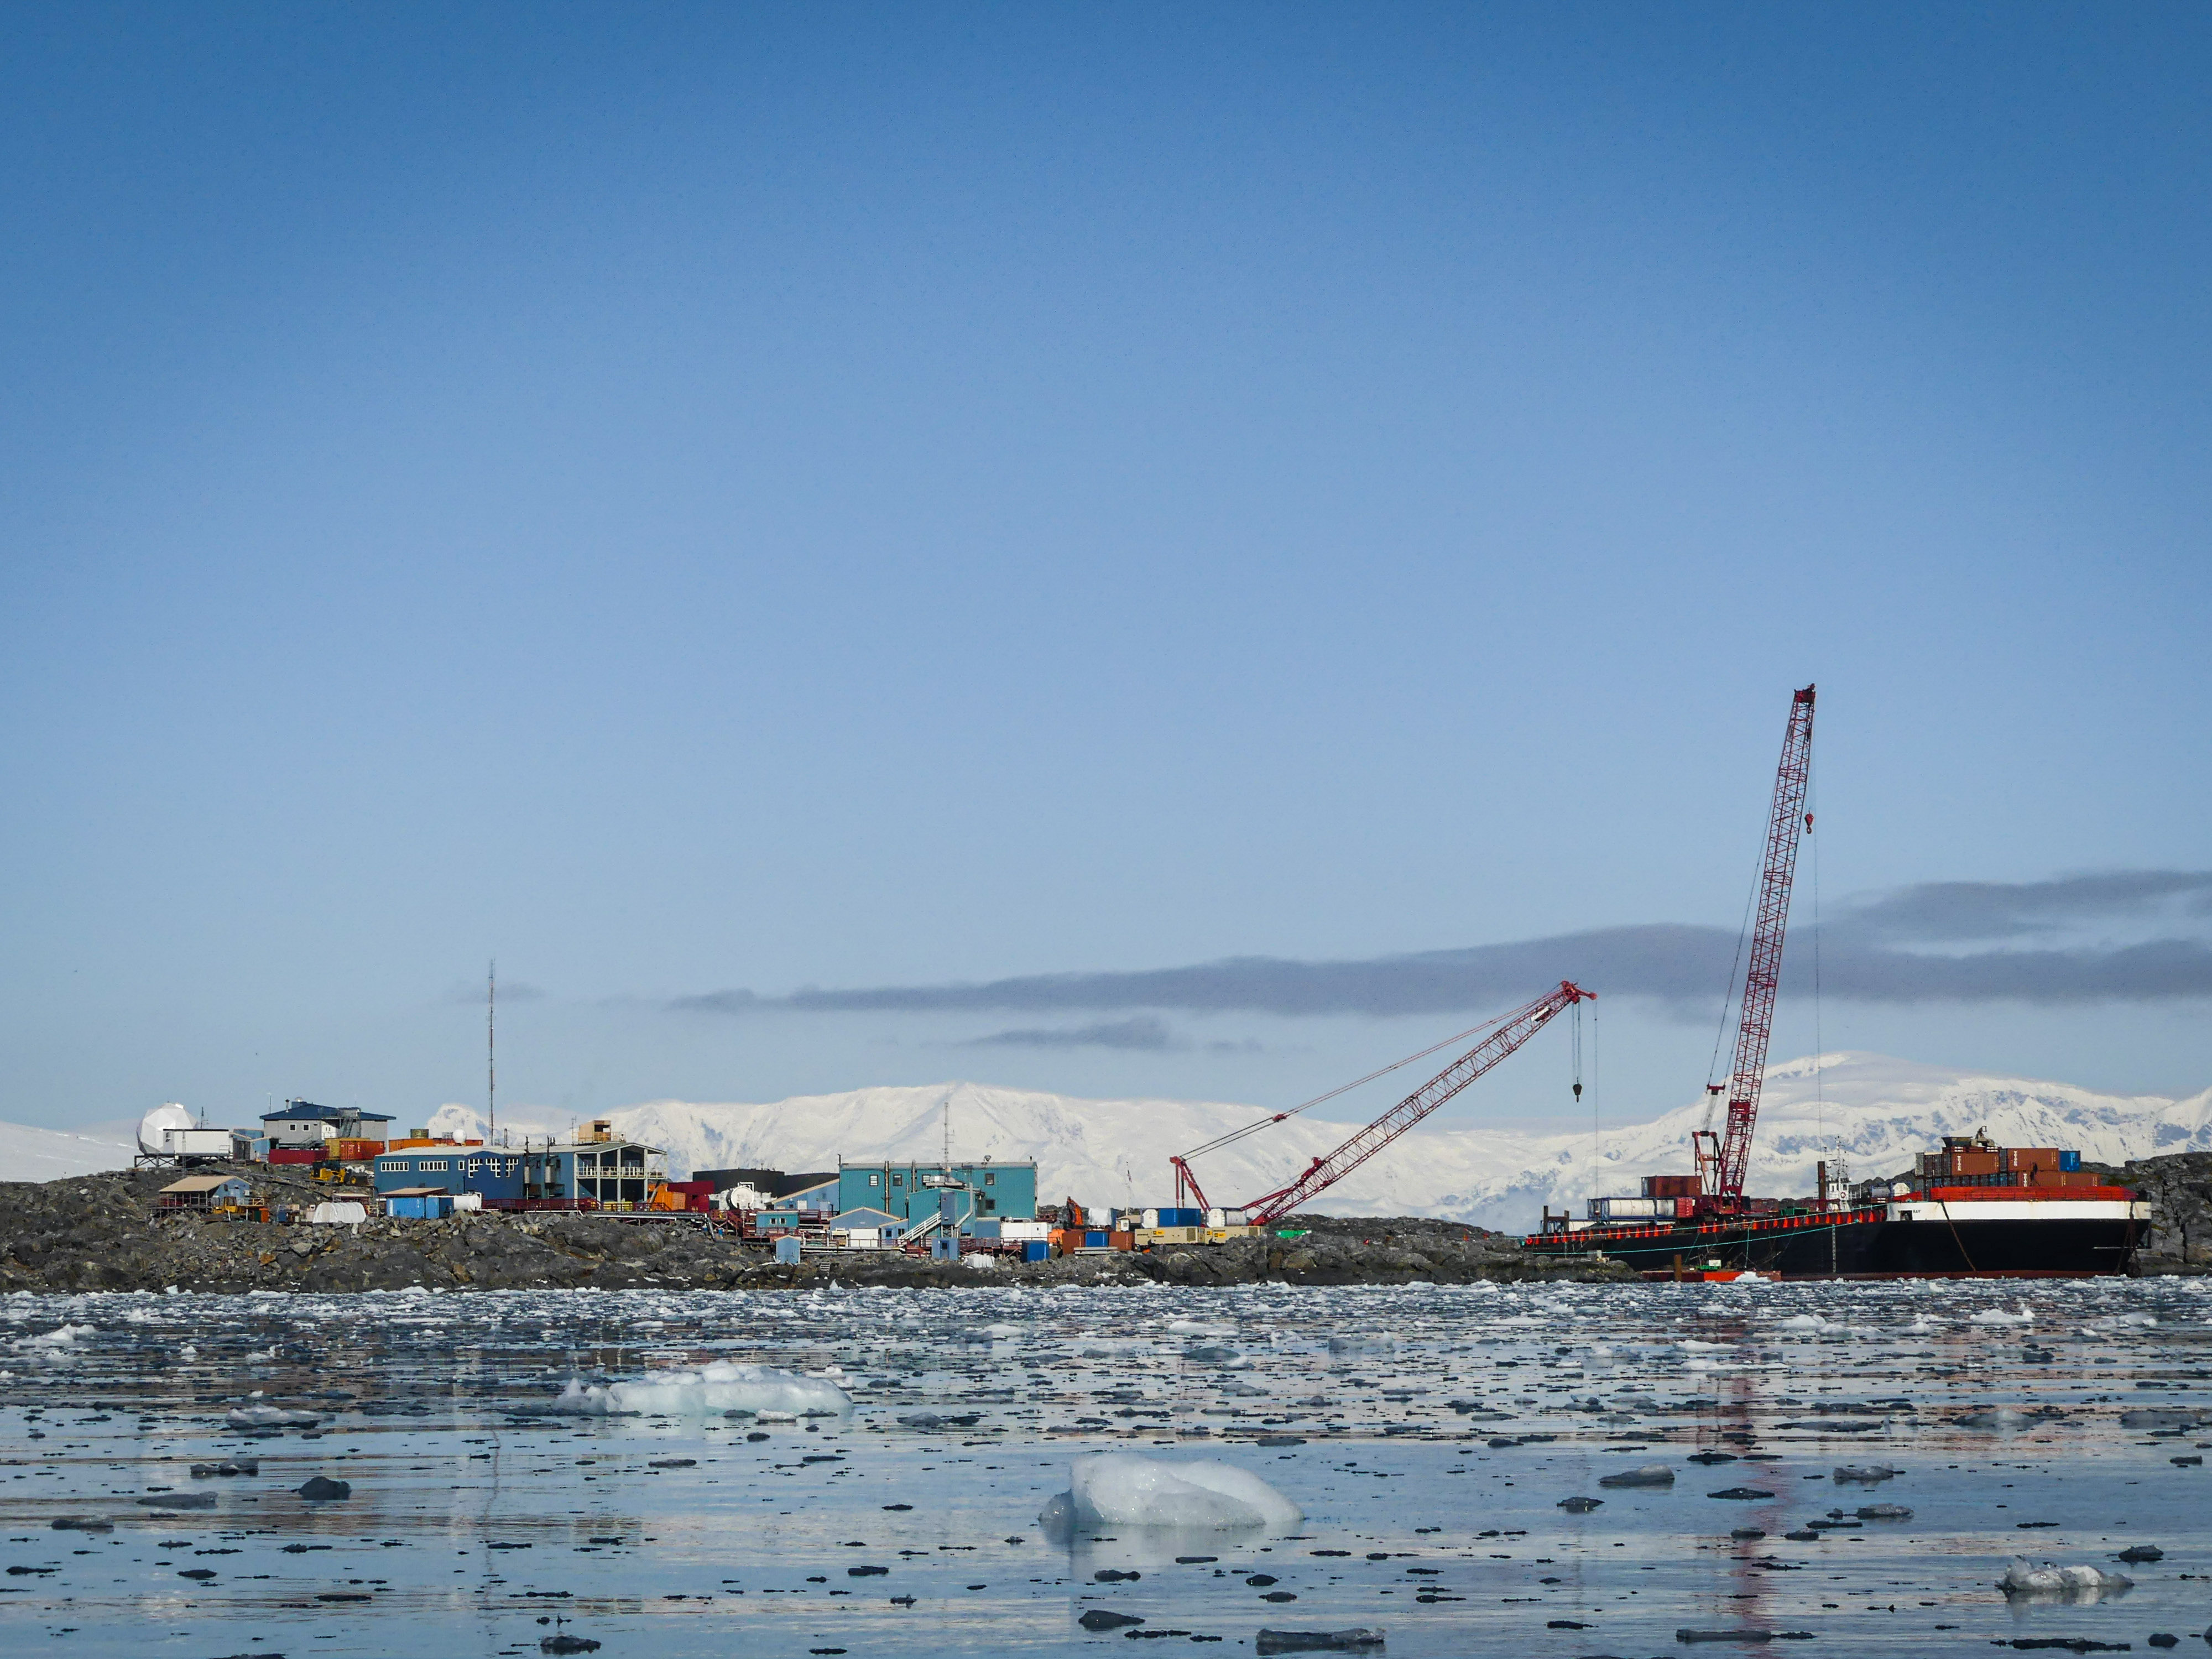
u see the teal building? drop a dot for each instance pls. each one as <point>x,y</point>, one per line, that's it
<point>982,1191</point>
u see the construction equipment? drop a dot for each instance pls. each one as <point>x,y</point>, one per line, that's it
<point>1506,1035</point>
<point>1721,1158</point>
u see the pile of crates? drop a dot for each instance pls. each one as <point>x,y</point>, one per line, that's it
<point>1974,1161</point>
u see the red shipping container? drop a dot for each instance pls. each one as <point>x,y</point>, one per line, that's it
<point>295,1155</point>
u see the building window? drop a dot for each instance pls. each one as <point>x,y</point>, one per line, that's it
<point>875,1181</point>
<point>898,1180</point>
<point>990,1181</point>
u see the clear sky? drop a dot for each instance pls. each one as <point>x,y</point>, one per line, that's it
<point>708,501</point>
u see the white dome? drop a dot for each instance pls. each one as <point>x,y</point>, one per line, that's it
<point>168,1117</point>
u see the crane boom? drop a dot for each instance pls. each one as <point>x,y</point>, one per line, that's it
<point>1516,1029</point>
<point>1762,979</point>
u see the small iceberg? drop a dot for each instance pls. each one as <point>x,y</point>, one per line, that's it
<point>1121,1489</point>
<point>2048,1579</point>
<point>712,1390</point>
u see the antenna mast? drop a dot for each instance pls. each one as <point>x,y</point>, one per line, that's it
<point>491,1052</point>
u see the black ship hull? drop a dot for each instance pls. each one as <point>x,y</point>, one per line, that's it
<point>1864,1245</point>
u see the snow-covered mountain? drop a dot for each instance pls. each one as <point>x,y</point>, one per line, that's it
<point>1875,1112</point>
<point>29,1154</point>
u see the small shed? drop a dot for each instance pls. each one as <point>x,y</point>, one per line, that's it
<point>205,1193</point>
<point>338,1212</point>
<point>419,1203</point>
<point>865,1228</point>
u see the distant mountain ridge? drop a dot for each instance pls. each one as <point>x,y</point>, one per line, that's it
<point>1875,1111</point>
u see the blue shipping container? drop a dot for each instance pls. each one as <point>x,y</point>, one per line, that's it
<point>1094,1241</point>
<point>2069,1160</point>
<point>1034,1249</point>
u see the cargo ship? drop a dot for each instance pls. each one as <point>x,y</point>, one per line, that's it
<point>1974,1210</point>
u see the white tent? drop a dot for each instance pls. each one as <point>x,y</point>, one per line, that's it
<point>343,1212</point>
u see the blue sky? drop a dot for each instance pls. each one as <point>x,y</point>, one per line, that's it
<point>700,499</point>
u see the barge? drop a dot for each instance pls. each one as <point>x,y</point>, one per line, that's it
<point>1973,1211</point>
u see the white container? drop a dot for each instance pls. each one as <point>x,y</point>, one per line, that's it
<point>196,1143</point>
<point>1630,1209</point>
<point>1217,1218</point>
<point>468,1201</point>
<point>1023,1232</point>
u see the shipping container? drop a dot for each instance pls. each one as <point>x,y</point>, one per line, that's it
<point>1628,1209</point>
<point>1035,1250</point>
<point>1671,1185</point>
<point>2069,1160</point>
<point>295,1155</point>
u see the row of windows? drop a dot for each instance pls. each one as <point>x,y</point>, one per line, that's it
<point>899,1180</point>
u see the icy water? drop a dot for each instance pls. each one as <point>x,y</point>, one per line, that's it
<point>2015,1415</point>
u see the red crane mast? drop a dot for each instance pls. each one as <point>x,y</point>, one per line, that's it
<point>1787,824</point>
<point>1508,1034</point>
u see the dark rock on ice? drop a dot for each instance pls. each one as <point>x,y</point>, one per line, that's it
<point>1115,1576</point>
<point>1742,1494</point>
<point>1099,1618</point>
<point>2140,1552</point>
<point>1752,1636</point>
<point>1889,1512</point>
<point>322,1488</point>
<point>1746,1532</point>
<point>1358,1639</point>
<point>81,1523</point>
<point>568,1645</point>
<point>866,1572</point>
<point>1651,1474</point>
<point>1581,1506</point>
<point>192,1500</point>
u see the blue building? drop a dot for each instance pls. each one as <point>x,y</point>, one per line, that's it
<point>807,1208</point>
<point>495,1172</point>
<point>598,1169</point>
<point>982,1191</point>
<point>419,1203</point>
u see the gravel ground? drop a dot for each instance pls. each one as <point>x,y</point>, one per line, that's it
<point>105,1232</point>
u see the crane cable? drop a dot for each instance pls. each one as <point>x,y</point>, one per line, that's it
<point>1384,1071</point>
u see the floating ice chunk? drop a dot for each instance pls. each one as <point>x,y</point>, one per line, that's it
<point>1999,1316</point>
<point>1651,1474</point>
<point>723,1386</point>
<point>2160,1418</point>
<point>1996,1417</point>
<point>1121,1489</point>
<point>272,1417</point>
<point>2024,1578</point>
<point>1869,1472</point>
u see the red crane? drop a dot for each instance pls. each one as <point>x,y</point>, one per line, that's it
<point>1506,1036</point>
<point>1722,1162</point>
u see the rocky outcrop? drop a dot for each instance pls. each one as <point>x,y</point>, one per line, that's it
<point>2179,1188</point>
<point>106,1232</point>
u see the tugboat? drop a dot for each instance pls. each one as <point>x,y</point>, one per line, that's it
<point>1973,1210</point>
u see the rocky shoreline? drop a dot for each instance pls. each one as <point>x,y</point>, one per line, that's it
<point>105,1232</point>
